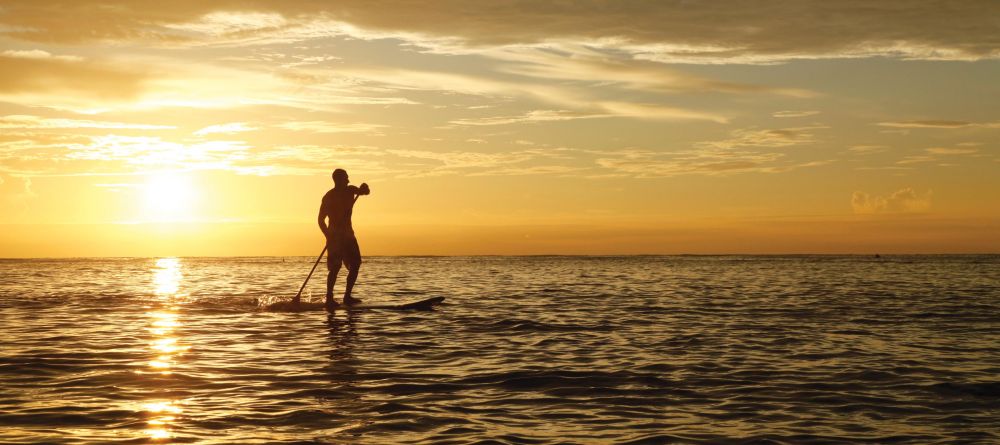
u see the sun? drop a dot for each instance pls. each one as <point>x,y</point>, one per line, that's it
<point>168,196</point>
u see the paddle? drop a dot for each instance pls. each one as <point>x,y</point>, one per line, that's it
<point>320,257</point>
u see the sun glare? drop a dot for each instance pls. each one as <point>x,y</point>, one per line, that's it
<point>168,197</point>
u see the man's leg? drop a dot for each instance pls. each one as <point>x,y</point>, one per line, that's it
<point>331,278</point>
<point>352,259</point>
<point>352,277</point>
<point>333,266</point>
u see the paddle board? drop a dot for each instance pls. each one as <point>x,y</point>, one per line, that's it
<point>287,306</point>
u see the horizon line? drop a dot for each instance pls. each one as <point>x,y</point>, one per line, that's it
<point>880,255</point>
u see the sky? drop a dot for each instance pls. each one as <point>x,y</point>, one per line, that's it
<point>161,128</point>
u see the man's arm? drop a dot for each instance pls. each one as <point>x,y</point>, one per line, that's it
<point>355,190</point>
<point>321,219</point>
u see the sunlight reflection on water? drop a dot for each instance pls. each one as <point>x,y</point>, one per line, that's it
<point>165,346</point>
<point>167,276</point>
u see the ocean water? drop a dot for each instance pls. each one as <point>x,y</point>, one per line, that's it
<point>525,350</point>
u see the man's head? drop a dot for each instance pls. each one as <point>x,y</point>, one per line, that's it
<point>340,177</point>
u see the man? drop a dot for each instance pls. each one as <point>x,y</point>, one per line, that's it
<point>341,245</point>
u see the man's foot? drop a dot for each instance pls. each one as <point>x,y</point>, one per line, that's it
<point>331,305</point>
<point>351,301</point>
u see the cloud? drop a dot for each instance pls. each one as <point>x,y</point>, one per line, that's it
<point>938,153</point>
<point>867,149</point>
<point>770,138</point>
<point>901,201</point>
<point>451,160</point>
<point>24,76</point>
<point>146,151</point>
<point>938,124</point>
<point>641,163</point>
<point>748,150</point>
<point>287,61</point>
<point>230,128</point>
<point>581,99</point>
<point>564,74</point>
<point>48,155</point>
<point>951,151</point>
<point>162,81</point>
<point>611,67</point>
<point>794,113</point>
<point>677,32</point>
<point>546,170</point>
<point>16,121</point>
<point>529,117</point>
<point>38,54</point>
<point>223,23</point>
<point>329,127</point>
<point>657,112</point>
<point>312,159</point>
<point>402,163</point>
<point>916,159</point>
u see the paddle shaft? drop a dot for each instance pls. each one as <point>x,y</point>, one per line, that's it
<point>320,257</point>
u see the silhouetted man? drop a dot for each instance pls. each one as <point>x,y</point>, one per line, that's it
<point>341,245</point>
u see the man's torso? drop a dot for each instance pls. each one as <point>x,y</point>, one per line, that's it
<point>338,204</point>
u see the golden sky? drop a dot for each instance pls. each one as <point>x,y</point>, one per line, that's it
<point>147,128</point>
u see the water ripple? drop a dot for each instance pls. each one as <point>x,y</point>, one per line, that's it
<point>526,350</point>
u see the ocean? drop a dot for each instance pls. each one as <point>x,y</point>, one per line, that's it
<point>525,350</point>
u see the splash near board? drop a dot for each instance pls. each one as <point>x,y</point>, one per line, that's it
<point>288,306</point>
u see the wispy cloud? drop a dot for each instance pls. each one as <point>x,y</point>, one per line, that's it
<point>772,138</point>
<point>581,101</point>
<point>230,23</point>
<point>657,112</point>
<point>952,150</point>
<point>669,32</point>
<point>947,124</point>
<point>611,67</point>
<point>935,154</point>
<point>652,164</point>
<point>229,128</point>
<point>867,149</point>
<point>51,154</point>
<point>330,127</point>
<point>529,117</point>
<point>405,163</point>
<point>39,54</point>
<point>65,84</point>
<point>543,170</point>
<point>748,150</point>
<point>287,61</point>
<point>310,159</point>
<point>118,154</point>
<point>916,159</point>
<point>794,113</point>
<point>452,160</point>
<point>154,151</point>
<point>19,121</point>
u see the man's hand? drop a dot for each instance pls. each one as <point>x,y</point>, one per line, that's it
<point>364,190</point>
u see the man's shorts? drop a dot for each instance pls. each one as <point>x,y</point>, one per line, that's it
<point>342,248</point>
